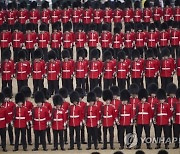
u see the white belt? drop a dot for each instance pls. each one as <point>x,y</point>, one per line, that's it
<point>116,16</point>
<point>29,41</point>
<point>54,16</point>
<point>106,16</point>
<point>42,40</point>
<point>80,40</point>
<point>21,17</point>
<point>178,114</point>
<point>44,17</point>
<point>104,40</point>
<point>107,116</point>
<point>143,113</point>
<point>74,116</point>
<point>10,18</point>
<point>179,67</point>
<point>66,70</point>
<point>163,39</point>
<point>126,16</point>
<point>116,41</point>
<point>9,113</point>
<point>54,40</point>
<point>96,17</point>
<point>3,40</point>
<point>128,40</point>
<point>80,70</point>
<point>75,16</point>
<point>2,119</point>
<point>167,15</point>
<point>16,40</point>
<point>93,70</point>
<point>156,14</point>
<point>135,70</point>
<point>86,17</point>
<point>51,71</point>
<point>92,40</point>
<point>6,71</point>
<point>33,17</point>
<point>91,116</point>
<point>20,118</point>
<point>165,68</point>
<point>150,68</point>
<point>174,37</point>
<point>136,16</point>
<point>139,39</point>
<point>146,16</point>
<point>108,70</point>
<point>161,114</point>
<point>177,15</point>
<point>152,40</point>
<point>66,41</point>
<point>65,16</point>
<point>125,115</point>
<point>40,119</point>
<point>37,71</point>
<point>66,111</point>
<point>121,70</point>
<point>22,72</point>
<point>57,119</point>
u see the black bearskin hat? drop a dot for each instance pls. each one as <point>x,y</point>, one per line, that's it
<point>43,27</point>
<point>80,92</point>
<point>115,90</point>
<point>137,4</point>
<point>19,98</point>
<point>98,92</point>
<point>38,53</point>
<point>161,94</point>
<point>7,92</point>
<point>178,93</point>
<point>134,88</point>
<point>63,92</point>
<point>92,27</point>
<point>121,55</point>
<point>39,97</point>
<point>128,27</point>
<point>94,53</point>
<point>4,26</point>
<point>135,54</point>
<point>165,52</point>
<point>17,26</point>
<point>57,100</point>
<point>26,91</point>
<point>46,93</point>
<point>74,97</point>
<point>33,5</point>
<point>105,27</point>
<point>51,55</point>
<point>142,94</point>
<point>65,53</point>
<point>147,4</point>
<point>107,55</point>
<point>125,95</point>
<point>116,30</point>
<point>91,97</point>
<point>2,98</point>
<point>149,53</point>
<point>29,26</point>
<point>22,54</point>
<point>80,53</point>
<point>107,95</point>
<point>171,88</point>
<point>6,54</point>
<point>152,27</point>
<point>152,88</point>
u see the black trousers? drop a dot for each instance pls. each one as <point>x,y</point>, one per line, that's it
<point>107,83</point>
<point>23,137</point>
<point>99,134</point>
<point>2,51</point>
<point>40,134</point>
<point>116,50</point>
<point>53,86</point>
<point>159,129</point>
<point>139,129</point>
<point>176,130</point>
<point>3,137</point>
<point>178,81</point>
<point>58,134</point>
<point>22,83</point>
<point>128,82</point>
<point>10,133</point>
<point>28,130</point>
<point>71,135</point>
<point>149,81</point>
<point>141,51</point>
<point>165,81</point>
<point>23,28</point>
<point>121,130</point>
<point>65,135</point>
<point>36,28</point>
<point>138,81</point>
<point>174,50</point>
<point>67,83</point>
<point>111,134</point>
<point>6,83</point>
<point>99,28</point>
<point>146,25</point>
<point>121,84</point>
<point>87,85</point>
<point>93,83</point>
<point>30,54</point>
<point>75,27</point>
<point>45,54</point>
<point>48,132</point>
<point>80,82</point>
<point>15,53</point>
<point>92,134</point>
<point>86,27</point>
<point>58,52</point>
<point>82,134</point>
<point>90,49</point>
<point>38,84</point>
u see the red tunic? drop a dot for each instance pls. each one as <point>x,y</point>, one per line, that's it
<point>7,70</point>
<point>92,116</point>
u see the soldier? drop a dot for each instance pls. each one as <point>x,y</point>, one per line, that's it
<point>29,105</point>
<point>47,105</point>
<point>20,122</point>
<point>56,39</point>
<point>76,15</point>
<point>137,68</point>
<point>12,15</point>
<point>23,15</point>
<point>92,120</point>
<point>147,15</point>
<point>18,41</point>
<point>138,14</point>
<point>93,38</point>
<point>40,116</point>
<point>176,119</point>
<point>58,120</point>
<point>167,12</point>
<point>162,119</point>
<point>128,61</point>
<point>30,40</point>
<point>105,38</point>
<point>68,38</point>
<point>5,38</point>
<point>150,68</point>
<point>122,70</point>
<point>167,69</point>
<point>178,67</point>
<point>75,120</point>
<point>67,71</point>
<point>9,106</point>
<point>98,16</point>
<point>45,14</point>
<point>108,69</point>
<point>118,13</point>
<point>4,119</point>
<point>22,69</point>
<point>34,15</point>
<point>80,37</point>
<point>44,40</point>
<point>176,11</point>
<point>140,39</point>
<point>7,69</point>
<point>55,13</point>
<point>125,117</point>
<point>108,118</point>
<point>83,105</point>
<point>2,15</point>
<point>66,15</point>
<point>143,118</point>
<point>116,102</point>
<point>87,16</point>
<point>99,104</point>
<point>64,93</point>
<point>128,12</point>
<point>53,73</point>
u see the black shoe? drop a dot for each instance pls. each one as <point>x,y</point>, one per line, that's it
<point>176,147</point>
<point>79,148</point>
<point>50,143</point>
<point>25,149</point>
<point>70,148</point>
<point>84,142</point>
<point>45,149</point>
<point>100,142</point>
<point>11,144</point>
<point>34,149</point>
<point>29,143</point>
<point>158,147</point>
<point>54,149</point>
<point>137,147</point>
<point>5,150</point>
<point>96,148</point>
<point>128,148</point>
<point>62,149</point>
<point>66,142</point>
<point>15,150</point>
<point>121,148</point>
<point>88,148</point>
<point>149,147</point>
<point>112,148</point>
<point>103,148</point>
<point>166,147</point>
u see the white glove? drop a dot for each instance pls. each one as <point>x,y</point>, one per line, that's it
<point>12,124</point>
